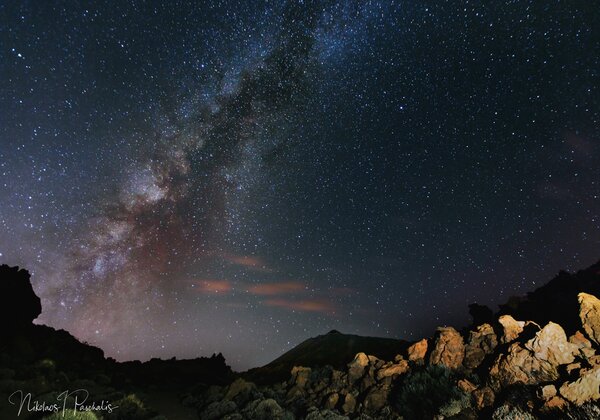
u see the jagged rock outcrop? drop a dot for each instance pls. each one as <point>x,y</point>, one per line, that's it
<point>482,342</point>
<point>584,389</point>
<point>357,367</point>
<point>512,328</point>
<point>241,391</point>
<point>550,344</point>
<point>484,397</point>
<point>536,361</point>
<point>300,376</point>
<point>417,351</point>
<point>589,312</point>
<point>583,344</point>
<point>533,371</point>
<point>19,305</point>
<point>449,348</point>
<point>393,369</point>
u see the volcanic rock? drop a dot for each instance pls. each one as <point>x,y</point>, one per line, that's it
<point>357,367</point>
<point>512,328</point>
<point>584,345</point>
<point>481,342</point>
<point>484,397</point>
<point>589,312</point>
<point>393,369</point>
<point>584,389</point>
<point>449,348</point>
<point>417,352</point>
<point>535,362</point>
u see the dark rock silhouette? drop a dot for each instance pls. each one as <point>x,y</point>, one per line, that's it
<point>556,301</point>
<point>481,314</point>
<point>45,361</point>
<point>19,305</point>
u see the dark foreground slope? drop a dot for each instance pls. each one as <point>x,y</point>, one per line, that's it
<point>42,361</point>
<point>334,349</point>
<point>556,301</point>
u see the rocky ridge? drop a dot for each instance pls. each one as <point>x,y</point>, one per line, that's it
<point>505,369</point>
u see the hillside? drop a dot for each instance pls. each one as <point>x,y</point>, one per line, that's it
<point>334,349</point>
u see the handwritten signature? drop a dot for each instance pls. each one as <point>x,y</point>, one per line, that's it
<point>79,399</point>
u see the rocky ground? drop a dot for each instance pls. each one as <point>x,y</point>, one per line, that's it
<point>506,369</point>
<point>539,357</point>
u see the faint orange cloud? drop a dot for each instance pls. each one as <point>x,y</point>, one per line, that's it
<point>212,286</point>
<point>303,305</point>
<point>273,289</point>
<point>248,261</point>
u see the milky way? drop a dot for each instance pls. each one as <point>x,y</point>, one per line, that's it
<point>196,178</point>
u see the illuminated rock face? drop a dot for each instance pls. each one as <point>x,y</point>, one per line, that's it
<point>584,389</point>
<point>481,342</point>
<point>535,361</point>
<point>512,328</point>
<point>449,348</point>
<point>417,352</point>
<point>589,312</point>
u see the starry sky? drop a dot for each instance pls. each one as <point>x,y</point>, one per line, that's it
<point>199,177</point>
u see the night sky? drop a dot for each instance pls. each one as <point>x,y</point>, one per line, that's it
<point>237,177</point>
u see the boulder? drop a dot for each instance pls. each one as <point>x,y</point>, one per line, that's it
<point>241,391</point>
<point>584,345</point>
<point>331,400</point>
<point>376,398</point>
<point>547,392</point>
<point>572,367</point>
<point>535,362</point>
<point>512,328</point>
<point>393,370</point>
<point>417,351</point>
<point>466,386</point>
<point>300,376</point>
<point>554,403</point>
<point>484,397</point>
<point>374,361</point>
<point>267,409</point>
<point>584,389</point>
<point>517,365</point>
<point>449,348</point>
<point>551,344</point>
<point>357,367</point>
<point>589,313</point>
<point>481,342</point>
<point>349,404</point>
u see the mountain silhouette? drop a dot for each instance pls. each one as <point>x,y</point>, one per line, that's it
<point>334,349</point>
